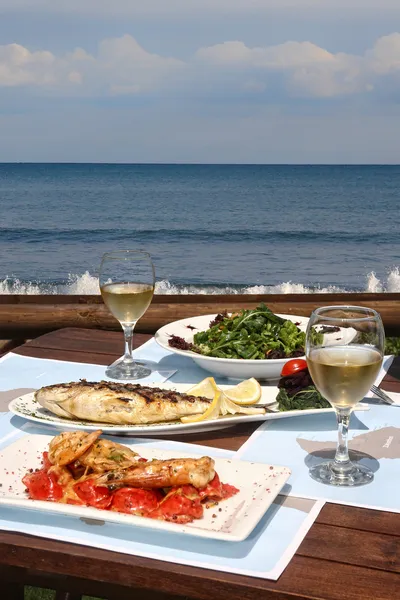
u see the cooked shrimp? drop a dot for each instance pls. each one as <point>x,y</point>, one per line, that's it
<point>70,445</point>
<point>104,455</point>
<point>162,473</point>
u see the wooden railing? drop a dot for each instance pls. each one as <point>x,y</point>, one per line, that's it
<point>23,317</point>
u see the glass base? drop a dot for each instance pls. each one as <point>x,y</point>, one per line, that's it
<point>136,369</point>
<point>350,476</point>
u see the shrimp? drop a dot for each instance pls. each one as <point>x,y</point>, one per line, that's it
<point>70,445</point>
<point>161,474</point>
<point>104,455</point>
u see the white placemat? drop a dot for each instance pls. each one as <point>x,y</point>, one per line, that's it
<point>299,443</point>
<point>265,553</point>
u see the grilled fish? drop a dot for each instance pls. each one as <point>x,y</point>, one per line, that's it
<point>120,404</point>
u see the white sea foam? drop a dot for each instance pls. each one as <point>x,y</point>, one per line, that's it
<point>88,284</point>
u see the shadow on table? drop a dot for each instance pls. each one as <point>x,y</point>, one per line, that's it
<point>319,456</point>
<point>316,422</point>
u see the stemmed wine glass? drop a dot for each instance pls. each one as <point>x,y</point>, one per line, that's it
<point>127,281</point>
<point>344,351</point>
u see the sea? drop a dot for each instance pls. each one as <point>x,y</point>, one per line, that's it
<point>209,228</point>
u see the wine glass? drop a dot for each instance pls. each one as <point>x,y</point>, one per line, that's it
<point>344,362</point>
<point>127,281</point>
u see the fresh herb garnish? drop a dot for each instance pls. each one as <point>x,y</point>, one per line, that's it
<point>118,457</point>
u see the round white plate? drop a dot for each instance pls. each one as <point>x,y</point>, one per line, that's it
<point>235,368</point>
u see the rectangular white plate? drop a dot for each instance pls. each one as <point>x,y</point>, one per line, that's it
<point>232,520</point>
<point>28,408</point>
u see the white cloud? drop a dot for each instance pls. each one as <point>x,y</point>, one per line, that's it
<point>18,66</point>
<point>282,56</point>
<point>122,66</point>
<point>385,55</point>
<point>130,69</point>
<point>308,70</point>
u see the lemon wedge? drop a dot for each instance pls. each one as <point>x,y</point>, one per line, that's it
<point>236,400</point>
<point>245,393</point>
<point>207,388</point>
<point>212,412</point>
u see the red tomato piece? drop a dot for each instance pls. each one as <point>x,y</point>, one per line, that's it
<point>216,490</point>
<point>212,490</point>
<point>180,505</point>
<point>43,486</point>
<point>92,494</point>
<point>136,501</point>
<point>229,490</point>
<point>293,366</point>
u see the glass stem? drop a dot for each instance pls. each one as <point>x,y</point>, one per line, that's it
<point>128,335</point>
<point>342,452</point>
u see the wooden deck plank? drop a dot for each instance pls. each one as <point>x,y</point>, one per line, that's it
<point>305,578</point>
<point>362,519</point>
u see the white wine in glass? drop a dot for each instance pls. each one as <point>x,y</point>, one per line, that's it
<point>127,281</point>
<point>127,301</point>
<point>343,370</point>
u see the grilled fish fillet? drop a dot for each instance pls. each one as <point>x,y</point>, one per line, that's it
<point>120,404</point>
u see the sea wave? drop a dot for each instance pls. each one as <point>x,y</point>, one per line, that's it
<point>86,283</point>
<point>52,235</point>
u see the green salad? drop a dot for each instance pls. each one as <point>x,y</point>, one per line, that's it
<point>250,334</point>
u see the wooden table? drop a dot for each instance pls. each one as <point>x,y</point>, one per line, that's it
<point>349,553</point>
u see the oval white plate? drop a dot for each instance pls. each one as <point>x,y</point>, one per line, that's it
<point>27,408</point>
<point>235,368</point>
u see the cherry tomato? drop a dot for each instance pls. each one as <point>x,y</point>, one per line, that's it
<point>93,495</point>
<point>135,501</point>
<point>293,366</point>
<point>43,486</point>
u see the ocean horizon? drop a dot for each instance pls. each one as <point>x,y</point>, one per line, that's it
<point>203,164</point>
<point>210,228</point>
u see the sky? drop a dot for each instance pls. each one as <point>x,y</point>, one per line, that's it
<point>200,81</point>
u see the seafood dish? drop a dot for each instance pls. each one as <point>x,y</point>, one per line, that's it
<point>83,469</point>
<point>121,404</point>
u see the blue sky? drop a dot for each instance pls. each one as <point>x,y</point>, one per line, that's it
<point>263,81</point>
